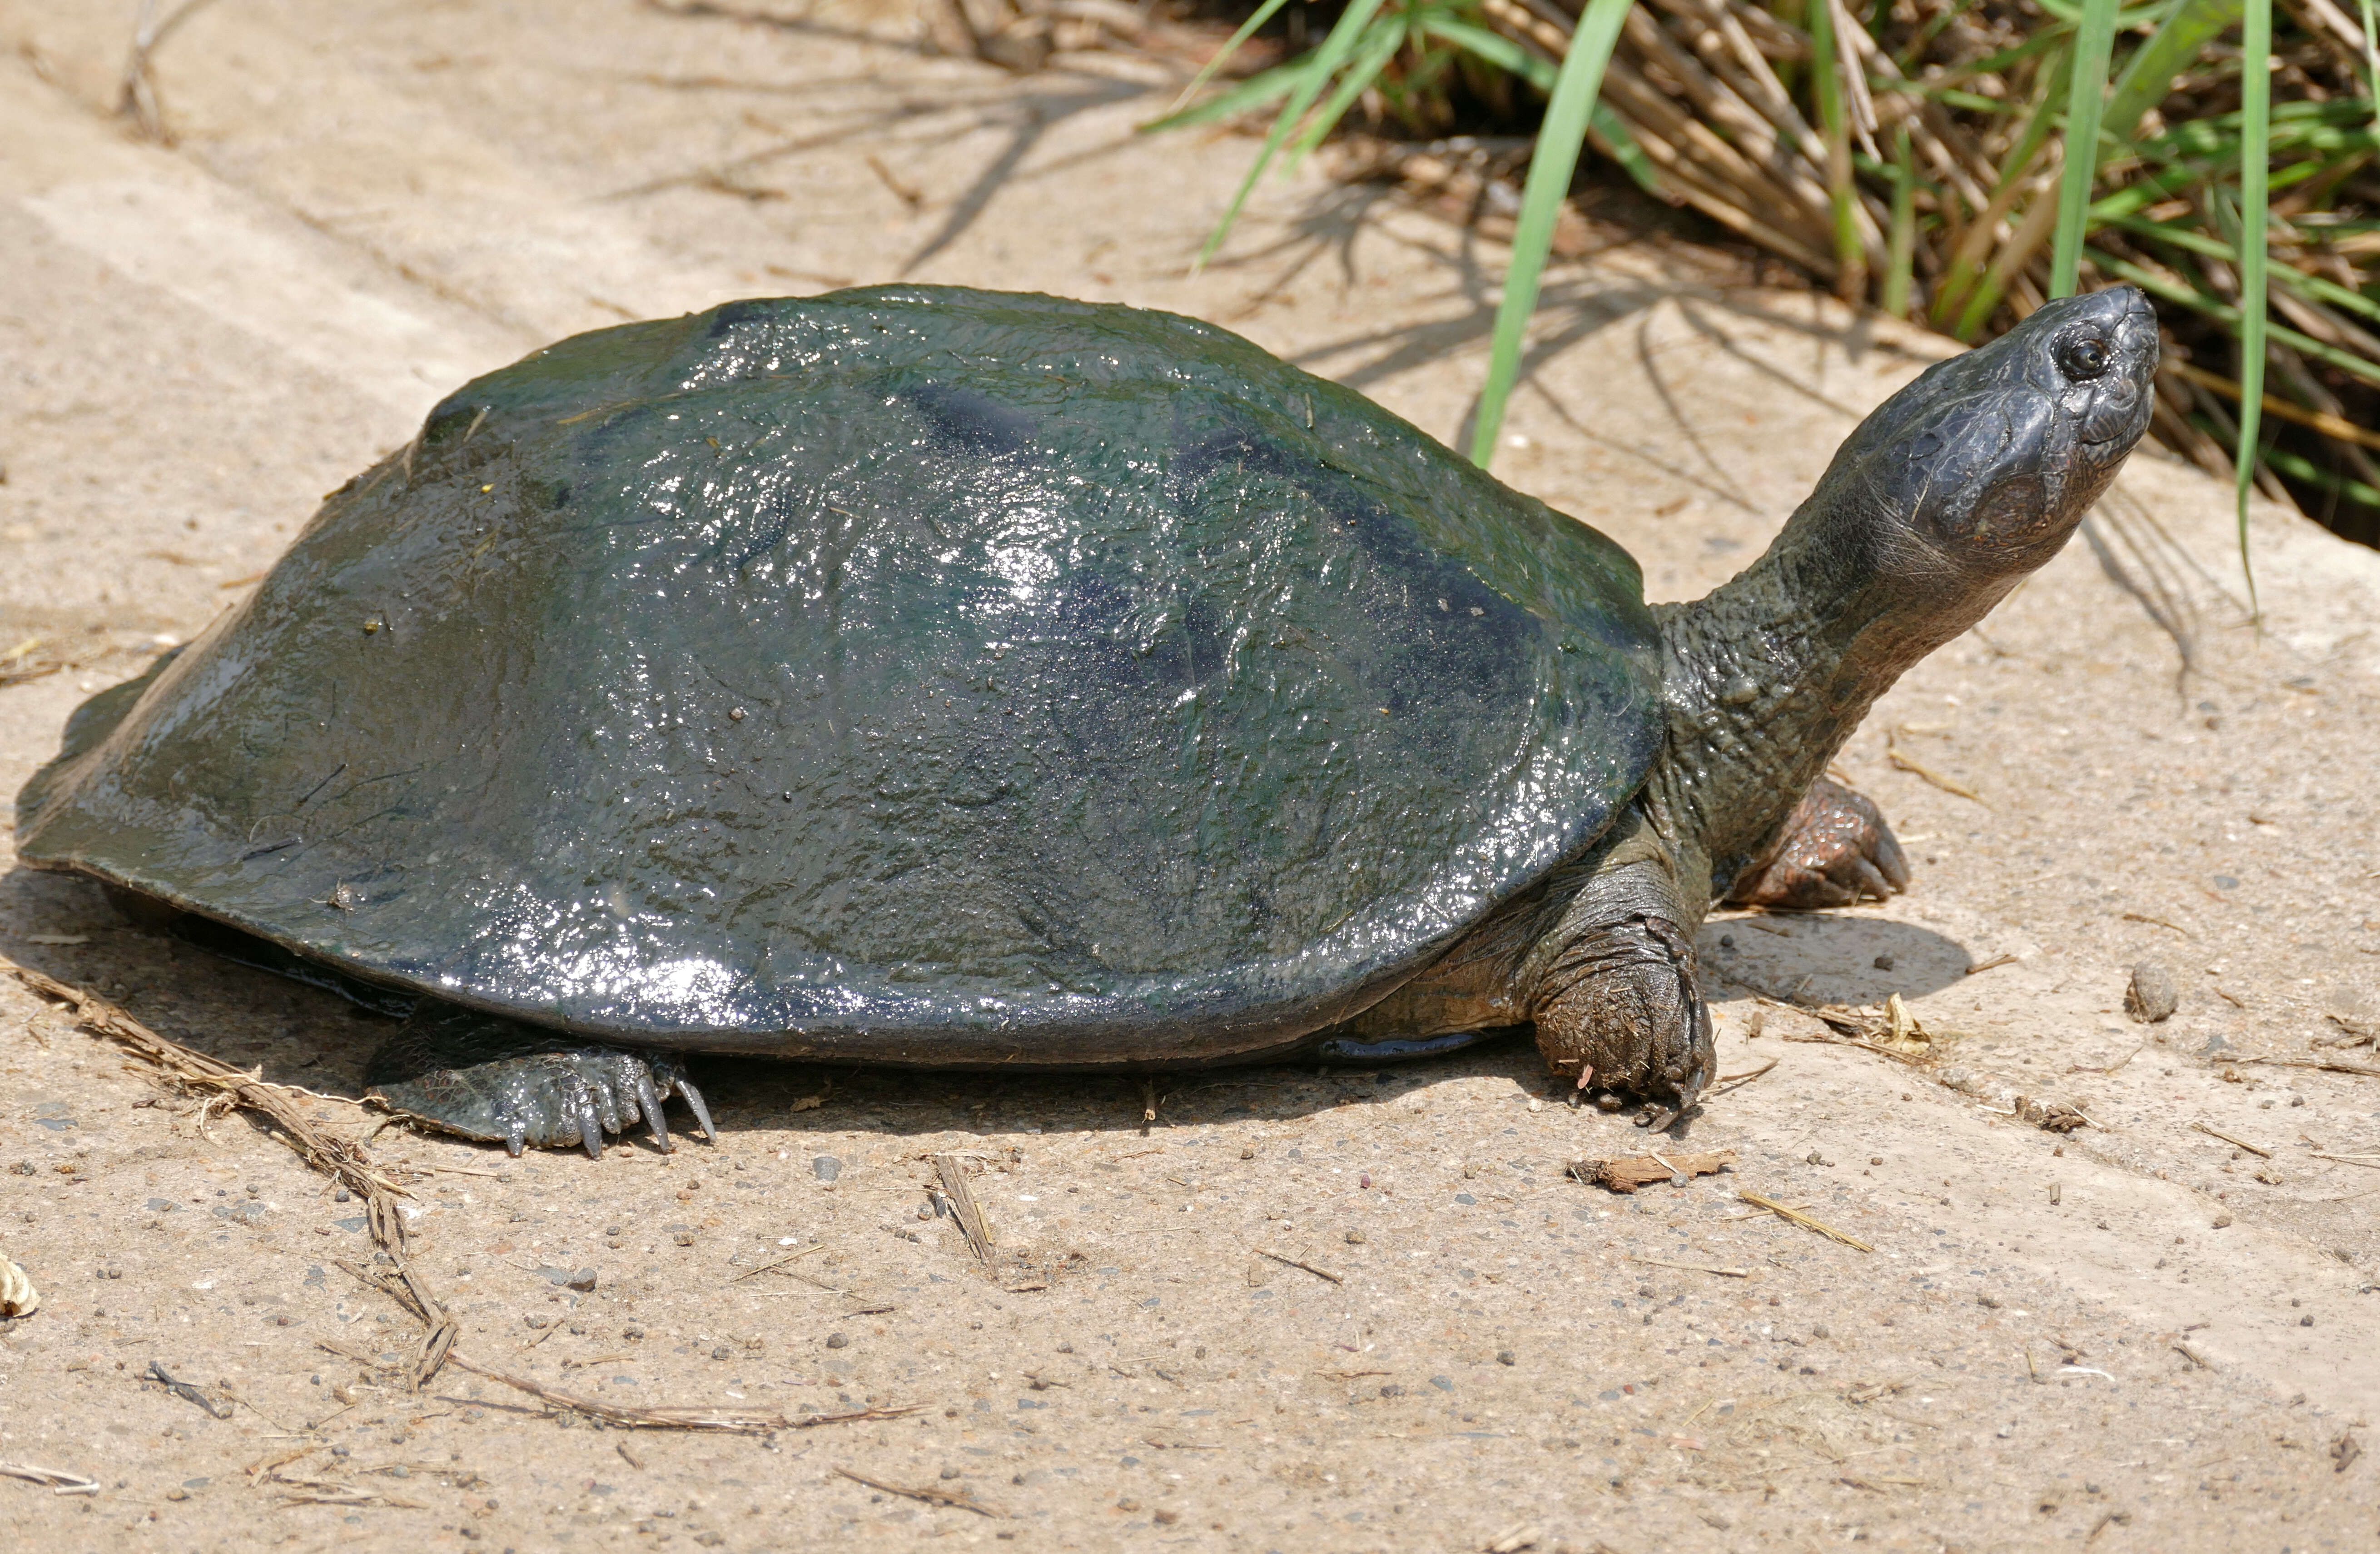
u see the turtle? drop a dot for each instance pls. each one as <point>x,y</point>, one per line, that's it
<point>928,676</point>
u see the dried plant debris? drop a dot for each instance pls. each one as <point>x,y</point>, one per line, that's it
<point>2003,1100</point>
<point>1794,1216</point>
<point>18,1296</point>
<point>1892,1031</point>
<point>1625,1173</point>
<point>58,1480</point>
<point>2153,994</point>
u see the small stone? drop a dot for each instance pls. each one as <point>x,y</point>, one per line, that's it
<point>1506,1357</point>
<point>838,1341</point>
<point>2153,994</point>
<point>1876,1159</point>
<point>1884,963</point>
<point>950,1473</point>
<point>1247,1152</point>
<point>1727,942</point>
<point>1355,1238</point>
<point>2306,1321</point>
<point>583,1281</point>
<point>1817,1160</point>
<point>2223,1221</point>
<point>826,1168</point>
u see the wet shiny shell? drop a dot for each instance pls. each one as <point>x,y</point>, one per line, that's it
<point>912,674</point>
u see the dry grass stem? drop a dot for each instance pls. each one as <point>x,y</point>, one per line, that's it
<point>969,1213</point>
<point>1796,1217</point>
<point>2259,1152</point>
<point>961,1500</point>
<point>1294,1262</point>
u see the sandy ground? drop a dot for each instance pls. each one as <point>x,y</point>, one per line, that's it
<point>2141,1335</point>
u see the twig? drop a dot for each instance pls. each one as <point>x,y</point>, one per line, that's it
<point>2144,917</point>
<point>1798,1218</point>
<point>1991,964</point>
<point>2241,1143</point>
<point>2192,1355</point>
<point>1729,1082</point>
<point>2086,1068</point>
<point>1893,753</point>
<point>931,1495</point>
<point>734,1420</point>
<point>1697,1267</point>
<point>816,1246</point>
<point>342,1160</point>
<point>2371,1161</point>
<point>59,1481</point>
<point>1317,1272</point>
<point>2303,1063</point>
<point>972,1223</point>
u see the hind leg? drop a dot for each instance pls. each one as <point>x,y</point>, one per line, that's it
<point>485,1077</point>
<point>1835,850</point>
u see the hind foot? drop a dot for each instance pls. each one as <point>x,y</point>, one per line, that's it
<point>1836,850</point>
<point>485,1077</point>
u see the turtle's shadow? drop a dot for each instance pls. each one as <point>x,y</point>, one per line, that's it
<point>302,1036</point>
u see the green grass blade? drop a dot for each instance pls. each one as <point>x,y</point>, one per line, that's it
<point>2256,172</point>
<point>1900,255</point>
<point>2372,58</point>
<point>2148,75</point>
<point>2094,39</point>
<point>1508,55</point>
<point>1850,257</point>
<point>1369,57</point>
<point>1264,13</point>
<point>1315,73</point>
<point>1496,49</point>
<point>1560,140</point>
<point>1256,91</point>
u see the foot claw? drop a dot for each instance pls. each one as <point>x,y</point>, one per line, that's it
<point>701,1112</point>
<point>649,1100</point>
<point>590,1127</point>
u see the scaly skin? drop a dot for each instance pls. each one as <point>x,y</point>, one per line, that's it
<point>1941,502</point>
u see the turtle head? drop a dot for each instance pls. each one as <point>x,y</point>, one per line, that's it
<point>1977,471</point>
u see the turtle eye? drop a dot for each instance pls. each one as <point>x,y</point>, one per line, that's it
<point>2084,358</point>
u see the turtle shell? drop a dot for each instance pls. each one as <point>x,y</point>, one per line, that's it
<point>912,674</point>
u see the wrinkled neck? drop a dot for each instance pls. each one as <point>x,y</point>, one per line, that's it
<point>1769,674</point>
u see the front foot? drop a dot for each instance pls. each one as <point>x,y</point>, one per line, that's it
<point>1836,851</point>
<point>485,1077</point>
<point>1631,1019</point>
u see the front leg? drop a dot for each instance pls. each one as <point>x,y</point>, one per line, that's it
<point>1834,851</point>
<point>1614,987</point>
